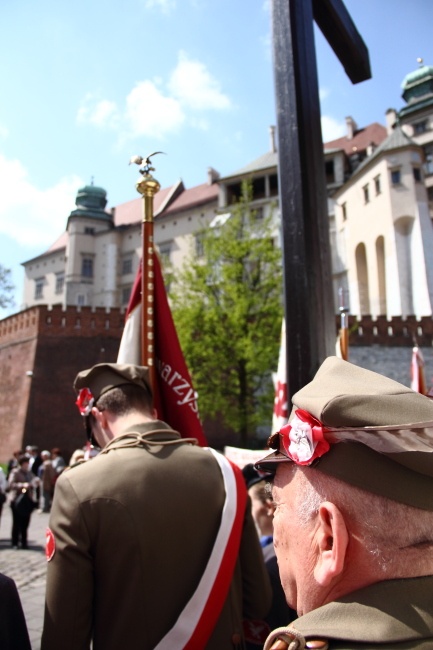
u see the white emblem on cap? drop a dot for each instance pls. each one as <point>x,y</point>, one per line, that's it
<point>302,444</point>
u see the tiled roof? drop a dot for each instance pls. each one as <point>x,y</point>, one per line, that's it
<point>373,133</point>
<point>396,140</point>
<point>198,195</point>
<point>267,160</point>
<point>131,211</point>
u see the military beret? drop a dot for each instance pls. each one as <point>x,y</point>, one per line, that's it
<point>362,428</point>
<point>105,376</point>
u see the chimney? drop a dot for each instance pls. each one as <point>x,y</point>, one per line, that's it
<point>370,148</point>
<point>351,127</point>
<point>272,136</point>
<point>391,120</point>
<point>212,175</point>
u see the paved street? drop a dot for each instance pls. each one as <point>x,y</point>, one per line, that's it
<point>27,569</point>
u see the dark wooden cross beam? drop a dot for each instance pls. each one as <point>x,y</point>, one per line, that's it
<point>308,296</point>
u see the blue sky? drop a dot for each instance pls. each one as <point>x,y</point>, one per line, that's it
<point>87,84</point>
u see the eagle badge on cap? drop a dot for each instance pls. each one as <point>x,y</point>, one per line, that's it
<point>303,438</point>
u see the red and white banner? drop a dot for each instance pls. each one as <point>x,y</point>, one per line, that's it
<point>417,383</point>
<point>175,399</point>
<point>281,407</point>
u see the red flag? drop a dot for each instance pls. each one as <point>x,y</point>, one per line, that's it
<point>417,372</point>
<point>174,396</point>
<point>281,407</point>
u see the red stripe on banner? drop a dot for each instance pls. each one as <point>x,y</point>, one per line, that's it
<point>218,594</point>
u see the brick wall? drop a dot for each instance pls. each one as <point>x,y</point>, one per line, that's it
<point>41,351</point>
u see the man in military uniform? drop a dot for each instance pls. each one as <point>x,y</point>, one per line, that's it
<point>353,526</point>
<point>151,544</point>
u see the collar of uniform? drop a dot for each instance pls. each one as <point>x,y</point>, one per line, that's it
<point>392,611</point>
<point>154,431</point>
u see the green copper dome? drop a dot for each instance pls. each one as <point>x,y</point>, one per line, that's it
<point>91,202</point>
<point>418,85</point>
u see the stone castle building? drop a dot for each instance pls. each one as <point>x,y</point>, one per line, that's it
<point>380,206</point>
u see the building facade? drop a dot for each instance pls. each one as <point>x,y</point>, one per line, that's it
<point>380,205</point>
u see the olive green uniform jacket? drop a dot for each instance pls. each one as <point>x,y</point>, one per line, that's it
<point>394,614</point>
<point>134,528</point>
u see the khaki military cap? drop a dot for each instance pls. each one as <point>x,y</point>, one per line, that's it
<point>105,376</point>
<point>362,428</point>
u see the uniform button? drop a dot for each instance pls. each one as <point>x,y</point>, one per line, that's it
<point>317,644</point>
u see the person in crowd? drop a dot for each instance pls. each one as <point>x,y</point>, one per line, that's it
<point>13,462</point>
<point>21,481</point>
<point>57,460</point>
<point>13,627</point>
<point>77,457</point>
<point>3,490</point>
<point>47,476</point>
<point>262,507</point>
<point>153,538</point>
<point>35,459</point>
<point>353,525</point>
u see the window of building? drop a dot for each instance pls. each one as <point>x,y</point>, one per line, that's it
<point>126,293</point>
<point>259,188</point>
<point>395,177</point>
<point>81,300</point>
<point>344,211</point>
<point>329,171</point>
<point>234,193</point>
<point>420,127</point>
<point>377,185</point>
<point>273,185</point>
<point>87,267</point>
<point>428,166</point>
<point>89,231</point>
<point>60,282</point>
<point>417,174</point>
<point>366,194</point>
<point>164,251</point>
<point>126,265</point>
<point>199,248</point>
<point>258,213</point>
<point>39,288</point>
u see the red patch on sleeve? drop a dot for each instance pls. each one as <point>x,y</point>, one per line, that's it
<point>50,544</point>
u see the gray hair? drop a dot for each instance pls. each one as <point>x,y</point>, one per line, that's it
<point>392,532</point>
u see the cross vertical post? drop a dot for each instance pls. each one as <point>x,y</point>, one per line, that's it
<point>308,295</point>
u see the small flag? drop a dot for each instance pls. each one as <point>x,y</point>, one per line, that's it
<point>281,412</point>
<point>418,382</point>
<point>174,396</point>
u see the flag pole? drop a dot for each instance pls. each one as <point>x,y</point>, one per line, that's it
<point>344,325</point>
<point>147,186</point>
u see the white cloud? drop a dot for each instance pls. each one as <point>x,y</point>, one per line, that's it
<point>101,113</point>
<point>166,6</point>
<point>150,112</point>
<point>332,129</point>
<point>193,85</point>
<point>158,108</point>
<point>29,215</point>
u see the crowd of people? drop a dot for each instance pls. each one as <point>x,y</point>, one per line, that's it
<point>327,542</point>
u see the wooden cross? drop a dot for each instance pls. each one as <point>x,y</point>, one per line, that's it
<point>308,296</point>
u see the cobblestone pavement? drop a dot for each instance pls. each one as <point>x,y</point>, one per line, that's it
<point>27,568</point>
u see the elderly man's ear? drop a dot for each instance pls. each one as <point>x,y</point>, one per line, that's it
<point>332,540</point>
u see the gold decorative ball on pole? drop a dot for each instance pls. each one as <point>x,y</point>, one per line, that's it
<point>147,186</point>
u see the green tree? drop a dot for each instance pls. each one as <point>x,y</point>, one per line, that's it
<point>227,306</point>
<point>6,288</point>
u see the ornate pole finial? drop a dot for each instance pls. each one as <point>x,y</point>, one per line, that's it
<point>147,186</point>
<point>420,61</point>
